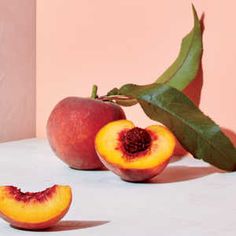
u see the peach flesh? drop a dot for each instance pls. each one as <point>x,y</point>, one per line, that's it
<point>135,143</point>
<point>34,210</point>
<point>33,226</point>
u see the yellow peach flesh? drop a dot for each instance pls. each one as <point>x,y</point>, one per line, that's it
<point>34,212</point>
<point>107,144</point>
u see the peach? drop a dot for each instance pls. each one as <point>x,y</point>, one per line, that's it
<point>34,210</point>
<point>133,153</point>
<point>72,126</point>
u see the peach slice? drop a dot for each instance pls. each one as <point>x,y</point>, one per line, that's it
<point>133,153</point>
<point>34,210</point>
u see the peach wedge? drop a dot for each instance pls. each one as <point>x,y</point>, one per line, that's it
<point>34,210</point>
<point>133,153</point>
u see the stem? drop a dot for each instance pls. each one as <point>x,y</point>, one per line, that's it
<point>94,91</point>
<point>114,97</point>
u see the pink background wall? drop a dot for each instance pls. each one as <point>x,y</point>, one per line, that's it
<point>17,69</point>
<point>109,43</point>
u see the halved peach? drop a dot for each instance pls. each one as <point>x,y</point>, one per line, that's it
<point>34,210</point>
<point>133,153</point>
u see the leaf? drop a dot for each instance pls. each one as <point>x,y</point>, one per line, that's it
<point>112,92</point>
<point>162,101</point>
<point>195,131</point>
<point>185,67</point>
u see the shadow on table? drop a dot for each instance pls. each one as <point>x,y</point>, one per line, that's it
<point>66,225</point>
<point>183,173</point>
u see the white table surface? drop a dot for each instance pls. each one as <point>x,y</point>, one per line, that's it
<point>188,198</point>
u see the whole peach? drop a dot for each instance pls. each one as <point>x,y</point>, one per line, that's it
<point>73,125</point>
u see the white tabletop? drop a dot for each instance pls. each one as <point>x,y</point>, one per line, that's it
<point>188,198</point>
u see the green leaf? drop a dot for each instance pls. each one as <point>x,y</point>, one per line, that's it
<point>195,131</point>
<point>185,67</point>
<point>112,92</point>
